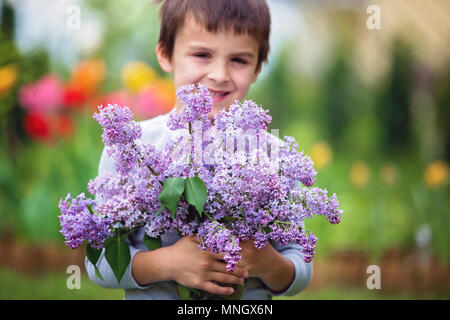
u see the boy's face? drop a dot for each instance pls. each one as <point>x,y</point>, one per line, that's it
<point>223,62</point>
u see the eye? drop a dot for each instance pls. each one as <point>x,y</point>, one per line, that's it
<point>240,61</point>
<point>201,55</point>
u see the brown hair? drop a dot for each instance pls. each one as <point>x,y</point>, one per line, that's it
<point>245,16</point>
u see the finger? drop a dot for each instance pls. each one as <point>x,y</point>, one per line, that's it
<point>240,272</point>
<point>226,278</point>
<point>242,264</point>
<point>217,256</point>
<point>216,289</point>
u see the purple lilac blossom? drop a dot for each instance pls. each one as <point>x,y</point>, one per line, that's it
<point>218,238</point>
<point>118,128</point>
<point>196,104</point>
<point>79,224</point>
<point>295,165</point>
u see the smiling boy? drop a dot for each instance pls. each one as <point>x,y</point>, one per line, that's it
<point>221,44</point>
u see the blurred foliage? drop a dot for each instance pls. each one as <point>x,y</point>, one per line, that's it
<point>394,100</point>
<point>32,184</point>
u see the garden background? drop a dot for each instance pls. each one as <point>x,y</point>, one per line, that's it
<point>367,99</point>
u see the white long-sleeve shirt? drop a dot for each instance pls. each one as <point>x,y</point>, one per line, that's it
<point>156,132</point>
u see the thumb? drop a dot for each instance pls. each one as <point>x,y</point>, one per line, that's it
<point>194,238</point>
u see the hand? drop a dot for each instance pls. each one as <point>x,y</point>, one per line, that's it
<point>196,268</point>
<point>256,261</point>
<point>267,264</point>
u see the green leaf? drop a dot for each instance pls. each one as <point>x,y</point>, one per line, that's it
<point>195,193</point>
<point>237,294</point>
<point>89,206</point>
<point>93,255</point>
<point>183,292</point>
<point>152,243</point>
<point>117,253</point>
<point>171,192</point>
<point>97,272</point>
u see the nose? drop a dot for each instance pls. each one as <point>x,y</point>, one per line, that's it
<point>218,72</point>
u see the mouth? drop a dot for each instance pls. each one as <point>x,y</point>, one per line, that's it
<point>218,95</point>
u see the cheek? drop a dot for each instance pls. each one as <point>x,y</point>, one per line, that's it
<point>188,74</point>
<point>242,85</point>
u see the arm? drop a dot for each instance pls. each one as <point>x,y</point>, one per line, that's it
<point>281,269</point>
<point>301,272</point>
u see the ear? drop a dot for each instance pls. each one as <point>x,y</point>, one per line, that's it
<point>163,59</point>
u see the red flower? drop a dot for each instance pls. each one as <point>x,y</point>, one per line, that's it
<point>73,96</point>
<point>37,126</point>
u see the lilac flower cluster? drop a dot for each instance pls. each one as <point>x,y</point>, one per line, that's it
<point>196,104</point>
<point>79,224</point>
<point>216,237</point>
<point>119,135</point>
<point>249,195</point>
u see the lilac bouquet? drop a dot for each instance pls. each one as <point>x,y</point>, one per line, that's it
<point>224,179</point>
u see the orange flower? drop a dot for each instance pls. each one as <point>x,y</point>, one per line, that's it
<point>85,79</point>
<point>436,174</point>
<point>165,90</point>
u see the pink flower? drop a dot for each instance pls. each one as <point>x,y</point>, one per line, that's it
<point>148,104</point>
<point>43,96</point>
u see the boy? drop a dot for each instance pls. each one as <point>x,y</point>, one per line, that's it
<point>222,45</point>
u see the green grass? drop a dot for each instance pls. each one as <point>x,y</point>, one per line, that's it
<point>339,293</point>
<point>52,286</point>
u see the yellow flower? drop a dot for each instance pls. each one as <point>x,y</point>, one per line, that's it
<point>389,174</point>
<point>8,76</point>
<point>137,75</point>
<point>359,174</point>
<point>436,174</point>
<point>321,154</point>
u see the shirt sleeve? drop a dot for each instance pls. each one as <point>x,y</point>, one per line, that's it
<point>303,270</point>
<point>109,279</point>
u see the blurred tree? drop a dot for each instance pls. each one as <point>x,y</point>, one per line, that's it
<point>29,67</point>
<point>337,94</point>
<point>279,91</point>
<point>7,22</point>
<point>394,100</point>
<point>442,94</point>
